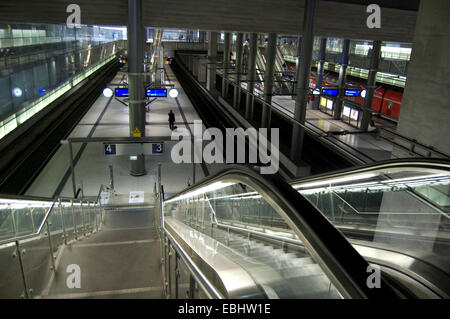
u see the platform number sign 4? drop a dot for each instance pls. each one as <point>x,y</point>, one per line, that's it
<point>157,148</point>
<point>110,149</point>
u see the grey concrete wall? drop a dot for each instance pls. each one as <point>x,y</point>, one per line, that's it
<point>425,112</point>
<point>334,19</point>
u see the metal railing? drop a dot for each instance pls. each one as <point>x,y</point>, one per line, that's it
<point>34,229</point>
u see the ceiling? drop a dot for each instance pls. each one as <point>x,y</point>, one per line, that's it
<point>345,19</point>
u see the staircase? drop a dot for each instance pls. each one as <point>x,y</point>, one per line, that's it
<point>120,261</point>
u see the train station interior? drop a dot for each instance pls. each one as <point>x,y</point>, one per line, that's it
<point>289,149</point>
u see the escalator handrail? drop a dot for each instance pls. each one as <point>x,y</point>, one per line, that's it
<point>337,257</point>
<point>428,163</point>
<point>436,163</point>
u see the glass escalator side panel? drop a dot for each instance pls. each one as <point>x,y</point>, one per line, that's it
<point>403,209</point>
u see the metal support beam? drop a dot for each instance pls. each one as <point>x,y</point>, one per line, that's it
<point>237,76</point>
<point>323,47</point>
<point>136,85</point>
<point>297,65</point>
<point>212,57</point>
<point>268,78</point>
<point>302,89</point>
<point>338,104</point>
<point>371,84</point>
<point>251,76</point>
<point>226,63</point>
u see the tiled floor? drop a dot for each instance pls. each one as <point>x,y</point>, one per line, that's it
<point>366,143</point>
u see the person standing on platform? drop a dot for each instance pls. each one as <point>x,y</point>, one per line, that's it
<point>171,120</point>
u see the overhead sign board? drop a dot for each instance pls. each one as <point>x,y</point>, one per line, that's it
<point>157,148</point>
<point>331,92</point>
<point>351,92</point>
<point>110,149</point>
<point>156,93</point>
<point>123,92</point>
<point>131,149</point>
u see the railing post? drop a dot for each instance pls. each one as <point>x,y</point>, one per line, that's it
<point>32,220</point>
<point>89,214</point>
<point>13,222</point>
<point>61,210</point>
<point>169,279</point>
<point>50,246</point>
<point>191,287</point>
<point>96,215</point>
<point>177,274</point>
<point>82,217</point>
<point>24,279</point>
<point>74,221</point>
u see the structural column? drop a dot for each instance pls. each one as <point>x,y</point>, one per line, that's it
<point>371,84</point>
<point>237,76</point>
<point>303,74</point>
<point>201,36</point>
<point>341,81</point>
<point>161,64</point>
<point>212,59</point>
<point>226,63</point>
<point>297,66</point>
<point>268,78</point>
<point>323,47</point>
<point>136,79</point>
<point>251,75</point>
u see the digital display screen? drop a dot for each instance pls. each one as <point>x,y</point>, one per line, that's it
<point>332,92</point>
<point>156,92</point>
<point>351,92</point>
<point>121,92</point>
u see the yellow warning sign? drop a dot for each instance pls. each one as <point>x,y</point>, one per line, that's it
<point>137,133</point>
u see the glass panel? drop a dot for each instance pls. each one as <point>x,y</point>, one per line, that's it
<point>7,227</point>
<point>183,280</point>
<point>11,283</point>
<point>240,221</point>
<point>406,209</point>
<point>21,217</point>
<point>68,220</point>
<point>36,262</point>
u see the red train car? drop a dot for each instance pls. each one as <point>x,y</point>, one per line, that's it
<point>385,101</point>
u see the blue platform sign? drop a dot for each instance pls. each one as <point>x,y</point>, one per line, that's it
<point>351,92</point>
<point>156,92</point>
<point>110,149</point>
<point>121,92</point>
<point>331,92</point>
<point>157,148</point>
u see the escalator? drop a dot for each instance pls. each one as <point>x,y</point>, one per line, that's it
<point>240,235</point>
<point>379,231</point>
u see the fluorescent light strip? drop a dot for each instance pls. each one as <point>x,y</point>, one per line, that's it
<point>202,190</point>
<point>337,180</point>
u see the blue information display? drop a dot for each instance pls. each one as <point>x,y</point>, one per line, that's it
<point>110,149</point>
<point>156,92</point>
<point>121,92</point>
<point>351,92</point>
<point>157,148</point>
<point>331,92</point>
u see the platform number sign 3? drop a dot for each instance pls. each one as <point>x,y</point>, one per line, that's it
<point>157,148</point>
<point>110,149</point>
